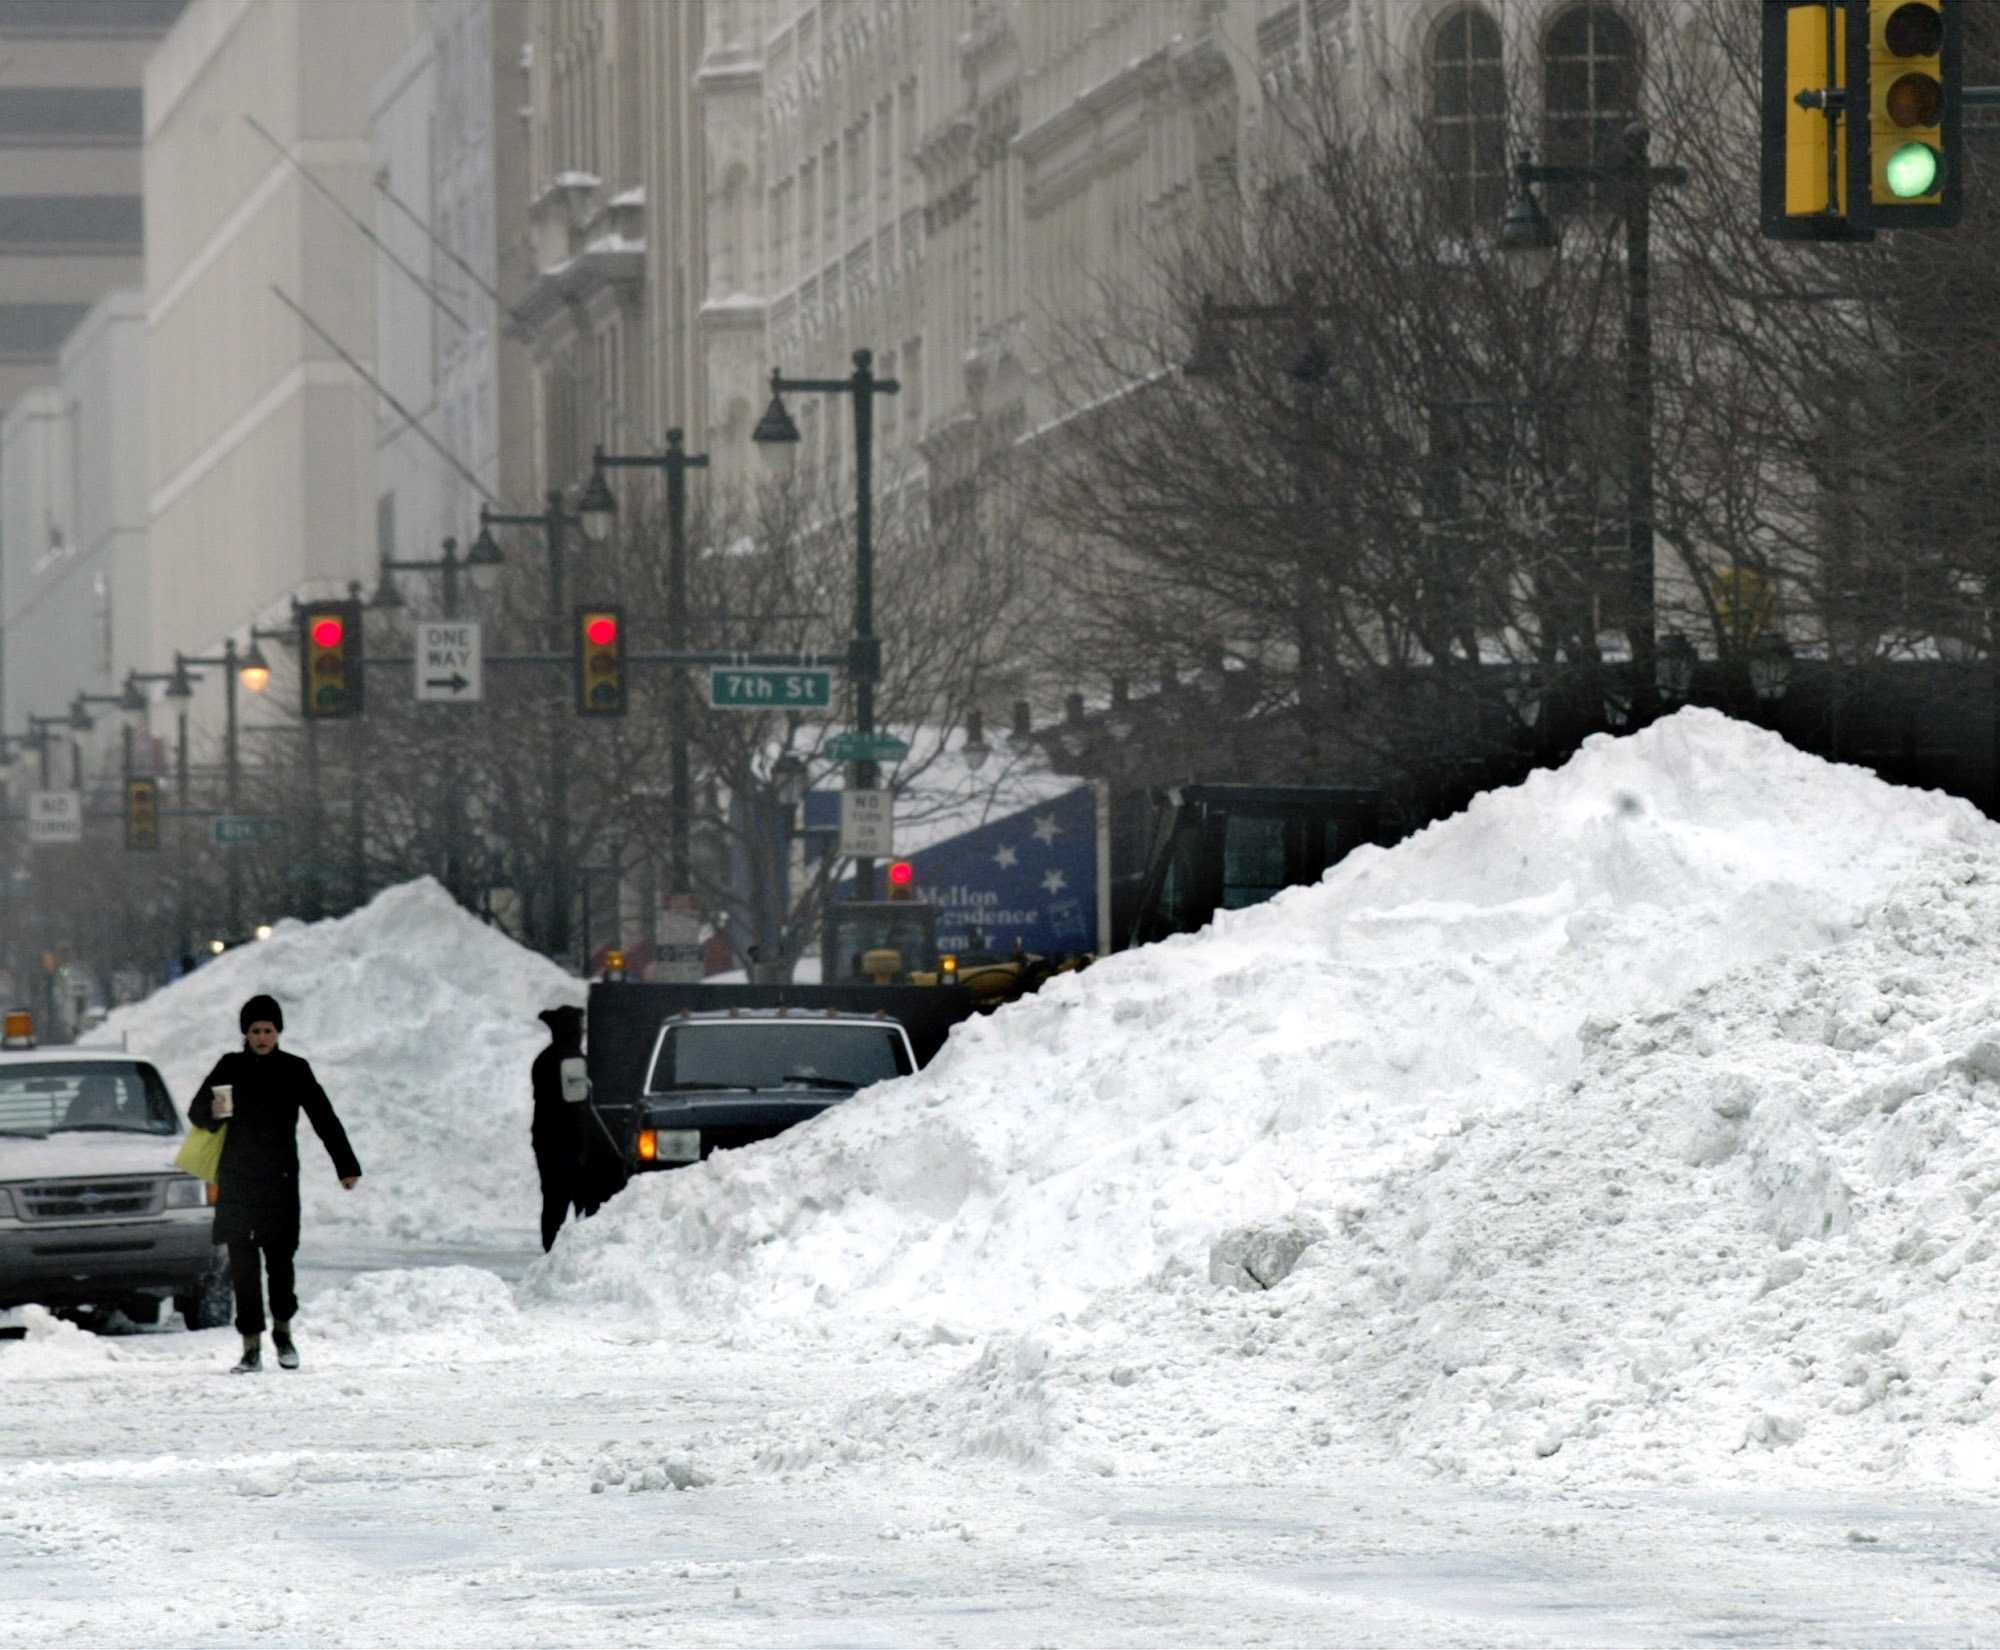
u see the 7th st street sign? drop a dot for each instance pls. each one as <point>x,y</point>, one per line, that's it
<point>759,687</point>
<point>447,662</point>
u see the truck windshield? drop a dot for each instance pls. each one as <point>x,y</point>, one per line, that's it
<point>119,1096</point>
<point>753,1054</point>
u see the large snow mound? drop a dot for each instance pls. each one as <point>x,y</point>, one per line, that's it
<point>1281,1061</point>
<point>419,1021</point>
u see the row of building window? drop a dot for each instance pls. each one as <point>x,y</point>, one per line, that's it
<point>1590,94</point>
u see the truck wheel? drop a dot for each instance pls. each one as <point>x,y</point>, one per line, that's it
<point>213,1300</point>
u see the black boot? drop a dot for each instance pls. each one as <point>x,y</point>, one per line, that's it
<point>281,1338</point>
<point>252,1361</point>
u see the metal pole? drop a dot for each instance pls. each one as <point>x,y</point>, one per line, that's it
<point>559,868</point>
<point>232,781</point>
<point>315,902</point>
<point>680,857</point>
<point>1639,417</point>
<point>181,847</point>
<point>866,775</point>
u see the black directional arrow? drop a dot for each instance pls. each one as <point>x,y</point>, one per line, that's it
<point>456,682</point>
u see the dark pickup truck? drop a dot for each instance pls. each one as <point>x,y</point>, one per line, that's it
<point>725,1079</point>
<point>678,1072</point>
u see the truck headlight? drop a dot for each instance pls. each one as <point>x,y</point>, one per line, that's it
<point>6,1204</point>
<point>186,1192</point>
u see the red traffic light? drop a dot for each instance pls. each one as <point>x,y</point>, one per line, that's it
<point>902,874</point>
<point>327,632</point>
<point>602,630</point>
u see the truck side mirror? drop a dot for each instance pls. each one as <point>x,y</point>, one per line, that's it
<point>575,1079</point>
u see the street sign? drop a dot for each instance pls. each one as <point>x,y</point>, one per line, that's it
<point>448,658</point>
<point>678,955</point>
<point>758,687</point>
<point>867,825</point>
<point>866,747</point>
<point>55,816</point>
<point>240,830</point>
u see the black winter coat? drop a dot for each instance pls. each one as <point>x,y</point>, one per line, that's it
<point>260,1158</point>
<point>554,1133</point>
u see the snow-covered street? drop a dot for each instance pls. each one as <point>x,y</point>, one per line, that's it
<point>1573,1226</point>
<point>437,1490</point>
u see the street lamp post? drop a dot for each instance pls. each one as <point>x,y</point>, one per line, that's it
<point>553,521</point>
<point>597,507</point>
<point>1528,230</point>
<point>776,429</point>
<point>233,667</point>
<point>1310,367</point>
<point>179,688</point>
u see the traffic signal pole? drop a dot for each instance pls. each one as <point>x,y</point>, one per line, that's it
<point>675,463</point>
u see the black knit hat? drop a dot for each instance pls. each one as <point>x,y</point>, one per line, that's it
<point>567,1019</point>
<point>260,1007</point>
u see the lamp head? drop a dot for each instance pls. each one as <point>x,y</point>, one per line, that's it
<point>596,505</point>
<point>975,750</point>
<point>484,560</point>
<point>776,434</point>
<point>253,670</point>
<point>1526,232</point>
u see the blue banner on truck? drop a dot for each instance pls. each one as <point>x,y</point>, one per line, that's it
<point>1031,877</point>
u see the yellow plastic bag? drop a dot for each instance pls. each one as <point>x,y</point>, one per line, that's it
<point>201,1153</point>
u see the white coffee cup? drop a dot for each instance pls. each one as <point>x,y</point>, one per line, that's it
<point>222,1100</point>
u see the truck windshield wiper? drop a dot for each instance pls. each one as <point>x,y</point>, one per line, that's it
<point>676,1088</point>
<point>815,1080</point>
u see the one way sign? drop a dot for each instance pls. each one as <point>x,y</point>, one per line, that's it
<point>448,662</point>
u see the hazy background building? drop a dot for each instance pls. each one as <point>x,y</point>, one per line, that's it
<point>70,232</point>
<point>261,298</point>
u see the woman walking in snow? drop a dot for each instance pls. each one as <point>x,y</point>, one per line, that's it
<point>257,1215</point>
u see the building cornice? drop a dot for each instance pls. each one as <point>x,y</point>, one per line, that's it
<point>1138,77</point>
<point>575,281</point>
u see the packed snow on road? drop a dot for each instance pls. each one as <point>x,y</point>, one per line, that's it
<point>1573,1226</point>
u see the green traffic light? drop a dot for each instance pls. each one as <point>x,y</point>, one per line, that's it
<point>1912,171</point>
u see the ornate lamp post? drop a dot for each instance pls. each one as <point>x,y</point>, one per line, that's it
<point>777,432</point>
<point>1526,230</point>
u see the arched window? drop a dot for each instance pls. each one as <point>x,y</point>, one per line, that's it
<point>1468,124</point>
<point>1590,91</point>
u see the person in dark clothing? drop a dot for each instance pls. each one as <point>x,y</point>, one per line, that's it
<point>257,1214</point>
<point>554,1133</point>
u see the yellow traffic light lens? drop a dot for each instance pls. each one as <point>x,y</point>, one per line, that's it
<point>1915,30</point>
<point>1912,171</point>
<point>1915,100</point>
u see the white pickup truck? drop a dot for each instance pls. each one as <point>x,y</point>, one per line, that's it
<point>93,1214</point>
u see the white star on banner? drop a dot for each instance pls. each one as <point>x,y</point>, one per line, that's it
<point>1004,857</point>
<point>1054,882</point>
<point>1046,829</point>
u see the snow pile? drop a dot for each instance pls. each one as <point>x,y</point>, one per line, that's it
<point>53,1346</point>
<point>1279,1062</point>
<point>1763,1224</point>
<point>420,1023</point>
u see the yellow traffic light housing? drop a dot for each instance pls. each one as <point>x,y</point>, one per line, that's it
<point>330,660</point>
<point>600,661</point>
<point>142,816</point>
<point>1804,158</point>
<point>1905,76</point>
